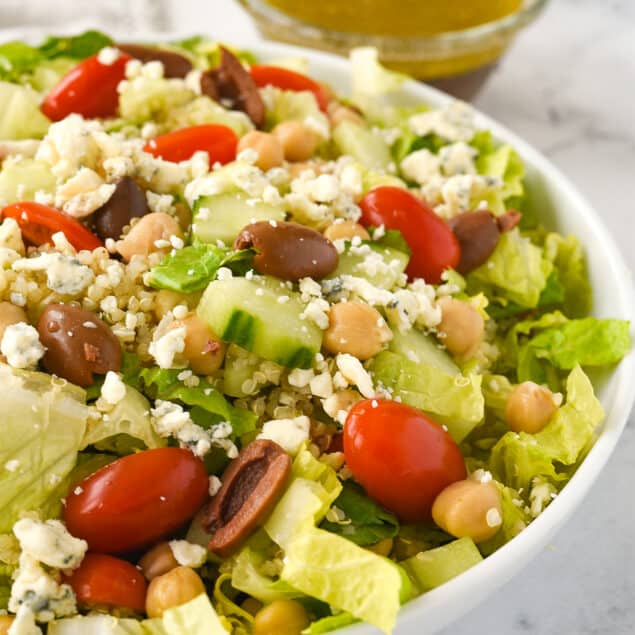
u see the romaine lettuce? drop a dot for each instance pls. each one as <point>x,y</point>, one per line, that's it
<point>330,623</point>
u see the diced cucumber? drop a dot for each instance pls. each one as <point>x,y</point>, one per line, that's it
<point>20,180</point>
<point>364,146</point>
<point>383,274</point>
<point>423,349</point>
<point>432,568</point>
<point>263,316</point>
<point>221,217</point>
<point>451,398</point>
<point>20,115</point>
<point>240,365</point>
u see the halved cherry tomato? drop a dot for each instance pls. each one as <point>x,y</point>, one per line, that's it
<point>434,247</point>
<point>137,500</point>
<point>401,457</point>
<point>89,89</point>
<point>219,142</point>
<point>102,580</point>
<point>39,222</point>
<point>289,80</point>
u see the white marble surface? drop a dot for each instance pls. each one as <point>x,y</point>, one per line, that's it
<point>568,87</point>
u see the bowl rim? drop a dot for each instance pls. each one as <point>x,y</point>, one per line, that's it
<point>447,40</point>
<point>540,530</point>
<point>524,546</point>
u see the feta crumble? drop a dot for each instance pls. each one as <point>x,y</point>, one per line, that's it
<point>21,345</point>
<point>188,554</point>
<point>289,434</point>
<point>353,371</point>
<point>113,389</point>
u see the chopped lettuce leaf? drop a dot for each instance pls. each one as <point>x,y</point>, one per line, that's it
<point>164,384</point>
<point>98,625</point>
<point>346,576</point>
<point>203,110</point>
<point>366,522</point>
<point>430,569</point>
<point>517,458</point>
<point>516,271</point>
<point>392,238</point>
<point>452,399</point>
<point>21,178</point>
<point>585,342</point>
<point>126,428</point>
<point>16,60</point>
<point>21,117</point>
<point>330,623</point>
<point>568,258</point>
<point>291,105</point>
<point>196,616</point>
<point>75,46</point>
<point>42,427</point>
<point>502,162</point>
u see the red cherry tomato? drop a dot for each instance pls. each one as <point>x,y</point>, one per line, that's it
<point>102,580</point>
<point>219,142</point>
<point>401,457</point>
<point>89,89</point>
<point>434,247</point>
<point>39,222</point>
<point>137,500</point>
<point>289,80</point>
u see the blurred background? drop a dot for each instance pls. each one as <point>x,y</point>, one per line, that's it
<point>567,84</point>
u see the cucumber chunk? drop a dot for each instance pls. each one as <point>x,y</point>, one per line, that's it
<point>20,115</point>
<point>249,313</point>
<point>20,180</point>
<point>384,274</point>
<point>364,146</point>
<point>240,366</point>
<point>423,349</point>
<point>221,217</point>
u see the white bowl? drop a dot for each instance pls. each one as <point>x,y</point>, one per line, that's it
<point>561,207</point>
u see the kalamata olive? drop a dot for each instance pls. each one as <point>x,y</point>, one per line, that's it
<point>508,220</point>
<point>288,250</point>
<point>252,484</point>
<point>478,234</point>
<point>231,81</point>
<point>128,201</point>
<point>78,344</point>
<point>174,64</point>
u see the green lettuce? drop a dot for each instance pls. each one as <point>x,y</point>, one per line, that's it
<point>75,46</point>
<point>16,60</point>
<point>452,399</point>
<point>515,519</point>
<point>21,117</point>
<point>191,269</point>
<point>291,105</point>
<point>432,568</point>
<point>366,522</point>
<point>519,457</point>
<point>42,426</point>
<point>330,623</point>
<point>209,404</point>
<point>516,271</point>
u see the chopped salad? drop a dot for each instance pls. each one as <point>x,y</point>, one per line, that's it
<point>272,359</point>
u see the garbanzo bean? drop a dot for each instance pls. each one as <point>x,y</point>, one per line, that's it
<point>203,350</point>
<point>346,230</point>
<point>282,617</point>
<point>356,328</point>
<point>148,236</point>
<point>5,623</point>
<point>338,113</point>
<point>469,508</point>
<point>529,407</point>
<point>171,589</point>
<point>165,300</point>
<point>298,141</point>
<point>382,548</point>
<point>268,147</point>
<point>158,561</point>
<point>10,314</point>
<point>462,327</point>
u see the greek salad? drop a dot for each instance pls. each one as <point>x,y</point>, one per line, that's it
<point>273,360</point>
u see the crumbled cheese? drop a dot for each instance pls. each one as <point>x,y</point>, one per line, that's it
<point>481,476</point>
<point>160,203</point>
<point>493,517</point>
<point>321,385</point>
<point>542,492</point>
<point>21,345</point>
<point>457,158</point>
<point>224,273</point>
<point>188,554</point>
<point>248,155</point>
<point>289,434</point>
<point>353,371</point>
<point>11,236</point>
<point>317,311</point>
<point>420,166</point>
<point>319,124</point>
<point>214,485</point>
<point>113,390</point>
<point>299,377</point>
<point>65,275</point>
<point>24,623</point>
<point>12,465</point>
<point>108,55</point>
<point>454,122</point>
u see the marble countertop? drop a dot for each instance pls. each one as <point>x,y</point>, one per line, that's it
<point>567,86</point>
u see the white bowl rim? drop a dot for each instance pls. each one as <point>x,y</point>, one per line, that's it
<point>503,564</point>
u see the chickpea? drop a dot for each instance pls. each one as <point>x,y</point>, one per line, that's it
<point>203,350</point>
<point>281,617</point>
<point>165,300</point>
<point>346,230</point>
<point>158,561</point>
<point>251,605</point>
<point>10,314</point>
<point>356,328</point>
<point>296,169</point>
<point>171,589</point>
<point>142,238</point>
<point>469,508</point>
<point>529,407</point>
<point>268,147</point>
<point>338,113</point>
<point>462,327</point>
<point>6,622</point>
<point>382,548</point>
<point>298,141</point>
